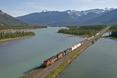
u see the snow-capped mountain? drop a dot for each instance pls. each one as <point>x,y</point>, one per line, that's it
<point>44,10</point>
<point>84,12</point>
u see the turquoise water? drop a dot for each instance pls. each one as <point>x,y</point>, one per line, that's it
<point>98,61</point>
<point>18,57</point>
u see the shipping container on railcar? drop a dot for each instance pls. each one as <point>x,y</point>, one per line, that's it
<point>90,37</point>
<point>97,34</point>
<point>73,47</point>
<point>78,45</point>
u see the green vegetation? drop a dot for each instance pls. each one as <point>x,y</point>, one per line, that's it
<point>21,27</point>
<point>93,42</point>
<point>83,31</point>
<point>114,27</point>
<point>113,31</point>
<point>6,35</point>
<point>113,35</point>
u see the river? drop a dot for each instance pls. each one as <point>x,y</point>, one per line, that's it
<point>18,57</point>
<point>97,61</point>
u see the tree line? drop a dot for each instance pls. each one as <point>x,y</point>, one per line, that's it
<point>21,27</point>
<point>82,30</point>
<point>5,35</point>
<point>114,27</point>
<point>113,31</point>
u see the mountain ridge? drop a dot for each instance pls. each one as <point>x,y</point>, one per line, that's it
<point>108,18</point>
<point>8,20</point>
<point>68,17</point>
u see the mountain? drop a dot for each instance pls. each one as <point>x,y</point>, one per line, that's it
<point>107,18</point>
<point>8,20</point>
<point>48,18</point>
<point>71,17</point>
<point>84,12</point>
<point>88,16</point>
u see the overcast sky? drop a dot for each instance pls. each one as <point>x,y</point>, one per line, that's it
<point>23,7</point>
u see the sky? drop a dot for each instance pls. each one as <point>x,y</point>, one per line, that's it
<point>22,7</point>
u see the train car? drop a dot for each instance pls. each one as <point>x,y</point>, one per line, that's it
<point>90,37</point>
<point>82,42</point>
<point>52,59</point>
<point>78,45</point>
<point>59,55</point>
<point>63,53</point>
<point>73,48</point>
<point>97,34</point>
<point>67,50</point>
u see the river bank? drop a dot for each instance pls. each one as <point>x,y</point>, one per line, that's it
<point>9,39</point>
<point>7,30</point>
<point>3,43</point>
<point>83,36</point>
<point>109,38</point>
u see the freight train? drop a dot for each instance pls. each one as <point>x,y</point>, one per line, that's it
<point>60,55</point>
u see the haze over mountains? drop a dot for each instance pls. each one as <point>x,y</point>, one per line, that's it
<point>68,17</point>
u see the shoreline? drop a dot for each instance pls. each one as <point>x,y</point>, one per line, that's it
<point>17,30</point>
<point>1,43</point>
<point>9,39</point>
<point>83,36</point>
<point>109,38</point>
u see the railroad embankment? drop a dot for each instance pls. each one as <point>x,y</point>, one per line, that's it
<point>59,69</point>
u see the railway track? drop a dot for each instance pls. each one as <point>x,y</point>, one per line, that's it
<point>43,72</point>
